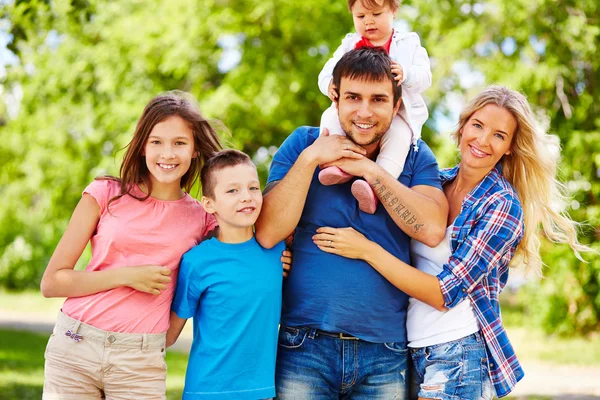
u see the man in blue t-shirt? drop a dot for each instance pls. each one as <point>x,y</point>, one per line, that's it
<point>343,331</point>
<point>231,286</point>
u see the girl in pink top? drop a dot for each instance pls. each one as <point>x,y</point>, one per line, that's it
<point>109,340</point>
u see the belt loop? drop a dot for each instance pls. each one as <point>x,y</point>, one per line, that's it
<point>76,326</point>
<point>144,342</point>
<point>312,333</point>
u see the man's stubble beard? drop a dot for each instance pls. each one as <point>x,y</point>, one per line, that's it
<point>376,136</point>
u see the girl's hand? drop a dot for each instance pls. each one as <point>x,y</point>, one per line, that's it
<point>286,262</point>
<point>332,91</point>
<point>345,242</point>
<point>148,278</point>
<point>286,256</point>
<point>398,72</point>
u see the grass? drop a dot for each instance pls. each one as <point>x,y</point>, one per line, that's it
<point>31,301</point>
<point>531,343</point>
<point>22,361</point>
<point>22,366</point>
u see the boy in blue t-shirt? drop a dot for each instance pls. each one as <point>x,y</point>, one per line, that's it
<point>231,286</point>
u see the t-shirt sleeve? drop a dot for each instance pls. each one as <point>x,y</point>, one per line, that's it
<point>189,287</point>
<point>287,154</point>
<point>102,190</point>
<point>210,223</point>
<point>425,168</point>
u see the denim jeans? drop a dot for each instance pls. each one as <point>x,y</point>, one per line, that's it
<point>314,366</point>
<point>455,370</point>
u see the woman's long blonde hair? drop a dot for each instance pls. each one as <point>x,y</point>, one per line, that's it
<point>531,169</point>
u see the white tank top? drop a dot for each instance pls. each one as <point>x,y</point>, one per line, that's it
<point>425,325</point>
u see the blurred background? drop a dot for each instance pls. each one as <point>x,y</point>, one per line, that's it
<point>76,74</point>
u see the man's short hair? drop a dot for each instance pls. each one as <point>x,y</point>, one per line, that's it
<point>368,64</point>
<point>222,159</point>
<point>372,4</point>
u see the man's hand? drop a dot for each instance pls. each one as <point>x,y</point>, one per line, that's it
<point>328,148</point>
<point>332,91</point>
<point>398,72</point>
<point>357,167</point>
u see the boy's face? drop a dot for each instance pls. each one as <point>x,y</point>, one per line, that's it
<point>375,24</point>
<point>237,199</point>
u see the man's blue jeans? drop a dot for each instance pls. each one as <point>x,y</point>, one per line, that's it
<point>315,366</point>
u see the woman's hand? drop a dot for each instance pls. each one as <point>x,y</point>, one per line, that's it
<point>345,242</point>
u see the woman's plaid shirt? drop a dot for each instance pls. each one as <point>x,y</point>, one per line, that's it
<point>484,238</point>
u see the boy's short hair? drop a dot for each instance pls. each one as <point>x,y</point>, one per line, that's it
<point>371,4</point>
<point>370,64</point>
<point>222,159</point>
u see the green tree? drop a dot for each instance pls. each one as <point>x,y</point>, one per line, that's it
<point>87,68</point>
<point>546,49</point>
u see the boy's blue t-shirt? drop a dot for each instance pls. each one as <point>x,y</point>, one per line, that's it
<point>233,292</point>
<point>338,294</point>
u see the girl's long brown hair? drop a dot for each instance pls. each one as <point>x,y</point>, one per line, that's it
<point>174,103</point>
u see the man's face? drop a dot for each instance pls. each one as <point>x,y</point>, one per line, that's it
<point>366,109</point>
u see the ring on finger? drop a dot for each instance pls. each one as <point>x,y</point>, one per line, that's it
<point>330,243</point>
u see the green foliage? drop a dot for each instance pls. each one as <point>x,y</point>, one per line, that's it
<point>87,68</point>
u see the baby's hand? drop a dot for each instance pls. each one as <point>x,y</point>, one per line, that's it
<point>398,72</point>
<point>332,91</point>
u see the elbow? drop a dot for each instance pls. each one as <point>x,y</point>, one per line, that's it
<point>46,288</point>
<point>434,237</point>
<point>441,307</point>
<point>170,341</point>
<point>265,236</point>
<point>265,240</point>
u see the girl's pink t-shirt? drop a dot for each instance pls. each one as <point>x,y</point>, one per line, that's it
<point>134,233</point>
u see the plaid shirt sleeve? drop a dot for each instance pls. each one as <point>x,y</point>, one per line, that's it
<point>498,229</point>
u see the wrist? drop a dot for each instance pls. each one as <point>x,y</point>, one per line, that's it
<point>308,159</point>
<point>372,173</point>
<point>122,276</point>
<point>371,252</point>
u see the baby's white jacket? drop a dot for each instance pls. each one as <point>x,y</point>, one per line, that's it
<point>407,51</point>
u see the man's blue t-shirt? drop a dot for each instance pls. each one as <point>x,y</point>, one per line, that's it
<point>338,294</point>
<point>233,291</point>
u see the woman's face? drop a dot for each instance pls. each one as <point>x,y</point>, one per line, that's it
<point>486,137</point>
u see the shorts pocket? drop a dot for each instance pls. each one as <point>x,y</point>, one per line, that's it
<point>447,353</point>
<point>291,338</point>
<point>161,362</point>
<point>397,347</point>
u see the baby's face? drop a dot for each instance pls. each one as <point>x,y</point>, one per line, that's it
<point>375,24</point>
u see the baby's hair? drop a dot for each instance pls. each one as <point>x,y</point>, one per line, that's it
<point>170,104</point>
<point>394,5</point>
<point>223,159</point>
<point>369,64</point>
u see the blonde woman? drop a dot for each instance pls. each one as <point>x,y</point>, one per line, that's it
<point>499,194</point>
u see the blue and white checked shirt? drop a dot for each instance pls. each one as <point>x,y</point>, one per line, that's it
<point>484,238</point>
